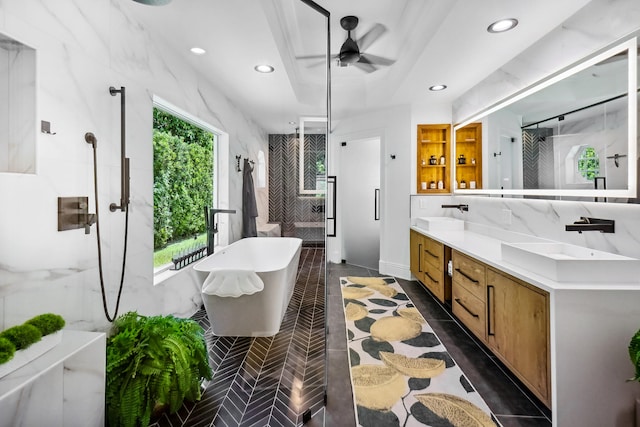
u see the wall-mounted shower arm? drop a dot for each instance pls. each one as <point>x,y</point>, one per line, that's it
<point>124,161</point>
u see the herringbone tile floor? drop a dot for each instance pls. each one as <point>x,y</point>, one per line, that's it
<point>267,381</point>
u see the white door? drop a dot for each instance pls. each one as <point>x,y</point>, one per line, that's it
<point>359,191</point>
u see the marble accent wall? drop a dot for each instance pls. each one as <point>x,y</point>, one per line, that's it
<point>82,49</point>
<point>543,218</point>
<point>593,27</point>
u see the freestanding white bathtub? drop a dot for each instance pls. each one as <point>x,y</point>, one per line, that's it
<point>240,305</point>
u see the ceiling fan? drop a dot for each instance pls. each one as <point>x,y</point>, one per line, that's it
<point>351,52</point>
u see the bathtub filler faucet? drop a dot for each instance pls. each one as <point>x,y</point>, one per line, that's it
<point>463,208</point>
<point>592,224</point>
<point>212,226</point>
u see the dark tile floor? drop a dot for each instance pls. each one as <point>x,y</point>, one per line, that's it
<point>273,381</point>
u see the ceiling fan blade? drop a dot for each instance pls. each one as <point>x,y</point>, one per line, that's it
<point>375,59</point>
<point>371,36</point>
<point>369,68</point>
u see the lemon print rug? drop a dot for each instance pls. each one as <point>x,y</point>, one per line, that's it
<point>401,373</point>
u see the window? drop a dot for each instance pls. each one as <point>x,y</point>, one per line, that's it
<point>589,163</point>
<point>184,182</point>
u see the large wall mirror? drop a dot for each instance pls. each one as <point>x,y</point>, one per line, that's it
<point>571,136</point>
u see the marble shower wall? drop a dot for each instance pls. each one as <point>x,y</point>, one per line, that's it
<point>82,49</point>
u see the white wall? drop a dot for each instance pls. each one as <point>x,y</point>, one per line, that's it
<point>392,126</point>
<point>82,49</point>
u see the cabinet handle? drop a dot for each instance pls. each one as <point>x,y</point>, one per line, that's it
<point>433,255</point>
<point>467,276</point>
<point>429,276</point>
<point>419,257</point>
<point>489,310</point>
<point>465,307</point>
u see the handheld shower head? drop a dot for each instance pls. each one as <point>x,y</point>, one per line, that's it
<point>91,139</point>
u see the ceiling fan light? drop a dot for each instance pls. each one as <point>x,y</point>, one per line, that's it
<point>264,68</point>
<point>502,25</point>
<point>436,88</point>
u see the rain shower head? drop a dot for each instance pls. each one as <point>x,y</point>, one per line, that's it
<point>153,2</point>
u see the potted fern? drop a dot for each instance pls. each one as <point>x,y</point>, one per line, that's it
<point>154,363</point>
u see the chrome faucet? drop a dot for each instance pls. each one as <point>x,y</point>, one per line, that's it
<point>592,224</point>
<point>462,208</point>
<point>212,226</point>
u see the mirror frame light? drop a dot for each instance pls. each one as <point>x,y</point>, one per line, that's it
<point>302,121</point>
<point>631,46</point>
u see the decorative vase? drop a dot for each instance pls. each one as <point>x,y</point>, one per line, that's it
<point>22,357</point>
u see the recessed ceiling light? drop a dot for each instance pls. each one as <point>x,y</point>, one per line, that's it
<point>436,88</point>
<point>263,68</point>
<point>198,51</point>
<point>502,25</point>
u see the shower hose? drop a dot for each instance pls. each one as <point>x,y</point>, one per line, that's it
<point>124,252</point>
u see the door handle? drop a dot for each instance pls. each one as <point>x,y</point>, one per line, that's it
<point>376,205</point>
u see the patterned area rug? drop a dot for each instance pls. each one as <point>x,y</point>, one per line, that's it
<point>401,373</point>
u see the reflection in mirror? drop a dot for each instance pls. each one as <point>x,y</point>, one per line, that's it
<point>571,136</point>
<point>312,144</point>
<point>17,106</point>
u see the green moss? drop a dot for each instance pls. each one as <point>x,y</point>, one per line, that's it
<point>22,336</point>
<point>7,350</point>
<point>47,323</point>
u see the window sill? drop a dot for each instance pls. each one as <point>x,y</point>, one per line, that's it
<point>165,273</point>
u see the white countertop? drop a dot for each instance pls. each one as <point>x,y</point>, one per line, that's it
<point>485,244</point>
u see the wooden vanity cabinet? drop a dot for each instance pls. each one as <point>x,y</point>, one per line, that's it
<point>518,330</point>
<point>468,301</point>
<point>428,264</point>
<point>434,267</point>
<point>509,316</point>
<point>416,243</point>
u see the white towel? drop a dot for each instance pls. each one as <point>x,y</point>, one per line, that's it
<point>232,283</point>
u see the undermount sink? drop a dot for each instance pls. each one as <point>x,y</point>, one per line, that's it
<point>564,262</point>
<point>440,223</point>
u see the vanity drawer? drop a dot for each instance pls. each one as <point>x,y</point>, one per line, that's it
<point>434,253</point>
<point>470,274</point>
<point>470,310</point>
<point>434,281</point>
